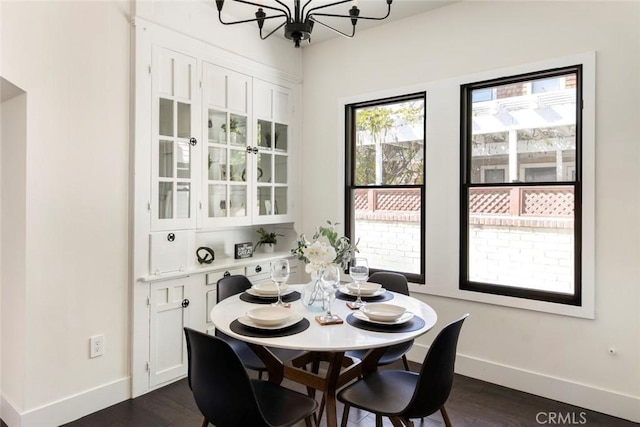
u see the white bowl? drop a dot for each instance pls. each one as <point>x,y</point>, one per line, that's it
<point>269,315</point>
<point>383,312</point>
<point>267,288</point>
<point>366,288</point>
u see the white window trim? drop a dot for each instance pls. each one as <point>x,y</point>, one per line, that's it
<point>442,145</point>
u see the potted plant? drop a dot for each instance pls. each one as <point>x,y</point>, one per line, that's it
<point>267,239</point>
<point>233,129</point>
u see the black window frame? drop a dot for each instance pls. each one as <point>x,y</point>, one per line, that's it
<point>350,187</point>
<point>465,284</point>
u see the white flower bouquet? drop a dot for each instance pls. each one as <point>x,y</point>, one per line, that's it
<point>326,248</point>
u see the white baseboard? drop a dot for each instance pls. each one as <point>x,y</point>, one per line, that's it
<point>70,408</point>
<point>581,395</point>
<point>8,413</point>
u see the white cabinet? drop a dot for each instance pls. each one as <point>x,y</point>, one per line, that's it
<point>174,149</point>
<point>187,301</point>
<point>207,159</point>
<point>217,158</point>
<point>169,312</point>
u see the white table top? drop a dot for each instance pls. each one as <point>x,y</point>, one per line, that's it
<point>341,337</point>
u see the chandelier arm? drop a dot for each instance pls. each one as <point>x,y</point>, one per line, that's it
<point>276,29</point>
<point>289,15</point>
<point>283,15</point>
<point>373,18</point>
<point>304,7</point>
<point>322,6</point>
<point>334,29</point>
<point>286,11</point>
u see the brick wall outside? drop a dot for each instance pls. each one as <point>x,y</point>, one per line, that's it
<point>529,257</point>
<point>392,245</point>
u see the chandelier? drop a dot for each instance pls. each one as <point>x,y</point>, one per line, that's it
<point>298,24</point>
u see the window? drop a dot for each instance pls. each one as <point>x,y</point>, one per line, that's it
<point>484,95</point>
<point>520,231</point>
<point>547,85</point>
<point>385,183</point>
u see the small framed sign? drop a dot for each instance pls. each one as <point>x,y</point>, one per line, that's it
<point>243,250</point>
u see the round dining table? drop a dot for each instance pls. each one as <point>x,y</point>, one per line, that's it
<point>322,342</point>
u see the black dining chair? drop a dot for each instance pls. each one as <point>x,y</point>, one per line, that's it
<point>227,397</point>
<point>232,285</point>
<point>401,395</point>
<point>394,282</point>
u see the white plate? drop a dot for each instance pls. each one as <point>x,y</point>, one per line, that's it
<point>402,319</point>
<point>295,318</point>
<point>285,291</point>
<point>383,312</point>
<point>367,288</point>
<point>269,315</point>
<point>347,291</point>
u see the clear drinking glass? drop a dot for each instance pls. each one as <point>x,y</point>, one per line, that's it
<point>359,272</point>
<point>280,275</point>
<point>330,282</point>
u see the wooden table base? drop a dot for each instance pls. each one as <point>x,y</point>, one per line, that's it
<point>305,370</point>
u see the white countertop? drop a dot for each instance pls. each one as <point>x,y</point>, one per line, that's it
<point>221,263</point>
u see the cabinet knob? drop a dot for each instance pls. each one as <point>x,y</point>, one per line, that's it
<point>226,274</point>
<point>185,303</point>
<point>171,237</point>
<point>193,141</point>
<point>258,269</point>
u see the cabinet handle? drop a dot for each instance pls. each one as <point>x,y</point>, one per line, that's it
<point>255,150</point>
<point>226,274</point>
<point>258,269</point>
<point>193,141</point>
<point>249,150</point>
<point>185,303</point>
<point>171,237</point>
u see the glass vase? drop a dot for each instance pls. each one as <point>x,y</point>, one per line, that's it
<point>313,294</point>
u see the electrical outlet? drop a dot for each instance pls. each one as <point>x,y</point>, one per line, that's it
<point>96,345</point>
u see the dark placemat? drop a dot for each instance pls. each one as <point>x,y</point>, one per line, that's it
<point>379,298</point>
<point>293,296</point>
<point>248,331</point>
<point>414,324</point>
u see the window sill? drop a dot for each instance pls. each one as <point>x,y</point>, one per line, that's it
<point>586,311</point>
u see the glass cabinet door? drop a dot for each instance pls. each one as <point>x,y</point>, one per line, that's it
<point>271,171</point>
<point>226,186</point>
<point>272,107</point>
<point>227,165</point>
<point>175,142</point>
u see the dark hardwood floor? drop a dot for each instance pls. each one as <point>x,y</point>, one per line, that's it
<point>471,403</point>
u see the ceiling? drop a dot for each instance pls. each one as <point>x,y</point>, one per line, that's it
<point>399,9</point>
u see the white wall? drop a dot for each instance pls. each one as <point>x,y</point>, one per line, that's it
<point>565,358</point>
<point>12,246</point>
<point>72,59</point>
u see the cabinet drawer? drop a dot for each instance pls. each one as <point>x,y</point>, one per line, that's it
<point>258,272</point>
<point>212,278</point>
